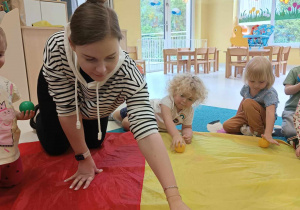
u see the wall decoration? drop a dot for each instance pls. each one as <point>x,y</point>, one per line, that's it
<point>255,11</point>
<point>285,1</point>
<point>176,11</point>
<point>154,3</point>
<point>238,40</point>
<point>287,9</point>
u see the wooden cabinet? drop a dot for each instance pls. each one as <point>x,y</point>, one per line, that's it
<point>14,68</point>
<point>34,39</point>
<point>55,12</point>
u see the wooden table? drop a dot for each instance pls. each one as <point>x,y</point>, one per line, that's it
<point>190,53</point>
<point>252,52</point>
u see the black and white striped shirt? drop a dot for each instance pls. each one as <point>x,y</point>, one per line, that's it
<point>125,84</point>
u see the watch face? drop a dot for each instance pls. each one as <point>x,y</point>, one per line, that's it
<point>79,157</point>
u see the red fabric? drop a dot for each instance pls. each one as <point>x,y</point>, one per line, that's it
<point>119,186</point>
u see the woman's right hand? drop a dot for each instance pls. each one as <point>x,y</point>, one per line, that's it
<point>85,173</point>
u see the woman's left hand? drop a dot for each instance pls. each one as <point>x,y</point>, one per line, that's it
<point>85,174</point>
<point>269,138</point>
<point>25,116</point>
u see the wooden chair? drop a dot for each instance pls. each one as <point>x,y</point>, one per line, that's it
<point>168,61</point>
<point>133,52</point>
<point>275,51</point>
<point>212,58</point>
<point>284,58</point>
<point>184,49</point>
<point>237,57</point>
<point>181,61</point>
<point>182,54</point>
<point>200,57</point>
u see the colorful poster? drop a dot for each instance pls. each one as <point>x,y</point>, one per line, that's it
<point>254,10</point>
<point>286,9</point>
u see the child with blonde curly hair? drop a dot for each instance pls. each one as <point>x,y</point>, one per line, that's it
<point>257,111</point>
<point>174,109</point>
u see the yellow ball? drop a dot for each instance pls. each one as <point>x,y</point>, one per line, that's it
<point>180,148</point>
<point>263,143</point>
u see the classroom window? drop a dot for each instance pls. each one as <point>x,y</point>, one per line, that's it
<point>283,14</point>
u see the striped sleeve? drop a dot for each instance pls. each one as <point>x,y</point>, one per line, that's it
<point>140,113</point>
<point>55,68</point>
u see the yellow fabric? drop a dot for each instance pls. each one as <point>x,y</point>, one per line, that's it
<point>222,171</point>
<point>44,23</point>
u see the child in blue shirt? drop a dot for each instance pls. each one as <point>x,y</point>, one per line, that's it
<point>257,112</point>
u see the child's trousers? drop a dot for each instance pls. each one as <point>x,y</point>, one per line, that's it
<point>49,130</point>
<point>288,127</point>
<point>252,114</point>
<point>11,174</point>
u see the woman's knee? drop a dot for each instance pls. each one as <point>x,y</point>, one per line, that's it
<point>54,149</point>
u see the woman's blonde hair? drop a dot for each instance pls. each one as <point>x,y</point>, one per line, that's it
<point>188,84</point>
<point>259,68</point>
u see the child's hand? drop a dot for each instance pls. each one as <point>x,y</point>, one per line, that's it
<point>187,138</point>
<point>269,138</point>
<point>176,141</point>
<point>28,115</point>
<point>298,152</point>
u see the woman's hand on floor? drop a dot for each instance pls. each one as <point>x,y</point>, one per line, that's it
<point>85,174</point>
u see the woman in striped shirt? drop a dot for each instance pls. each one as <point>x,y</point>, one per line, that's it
<point>84,78</point>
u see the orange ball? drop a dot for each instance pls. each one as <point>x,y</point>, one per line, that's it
<point>263,143</point>
<point>180,148</point>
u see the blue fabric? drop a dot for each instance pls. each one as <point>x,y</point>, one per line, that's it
<point>204,115</point>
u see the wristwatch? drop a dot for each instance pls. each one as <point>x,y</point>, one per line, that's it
<point>82,156</point>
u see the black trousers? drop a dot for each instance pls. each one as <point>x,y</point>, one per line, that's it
<point>49,130</point>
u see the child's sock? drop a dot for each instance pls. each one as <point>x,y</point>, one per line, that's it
<point>214,126</point>
<point>245,130</point>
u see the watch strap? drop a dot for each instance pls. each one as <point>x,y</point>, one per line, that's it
<point>82,156</point>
